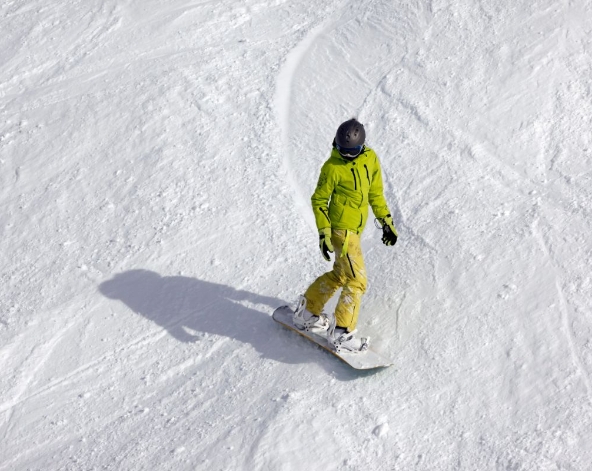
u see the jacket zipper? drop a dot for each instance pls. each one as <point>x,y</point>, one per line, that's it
<point>355,180</point>
<point>367,173</point>
<point>356,189</point>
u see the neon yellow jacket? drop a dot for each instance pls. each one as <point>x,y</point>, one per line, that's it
<point>345,189</point>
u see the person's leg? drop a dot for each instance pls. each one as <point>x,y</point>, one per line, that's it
<point>348,307</point>
<point>325,286</point>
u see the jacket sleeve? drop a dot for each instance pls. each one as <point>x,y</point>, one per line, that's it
<point>321,196</point>
<point>376,193</point>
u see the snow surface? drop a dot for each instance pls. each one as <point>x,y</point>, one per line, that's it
<point>156,164</point>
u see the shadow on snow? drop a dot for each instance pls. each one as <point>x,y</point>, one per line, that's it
<point>183,305</point>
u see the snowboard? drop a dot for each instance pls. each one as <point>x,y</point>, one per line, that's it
<point>365,360</point>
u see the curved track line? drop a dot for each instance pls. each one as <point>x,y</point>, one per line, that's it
<point>282,101</point>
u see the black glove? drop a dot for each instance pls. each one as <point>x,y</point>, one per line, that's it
<point>325,243</point>
<point>389,233</point>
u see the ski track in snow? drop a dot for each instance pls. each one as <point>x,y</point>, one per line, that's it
<point>283,100</point>
<point>156,162</point>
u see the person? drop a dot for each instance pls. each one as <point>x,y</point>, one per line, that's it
<point>349,182</point>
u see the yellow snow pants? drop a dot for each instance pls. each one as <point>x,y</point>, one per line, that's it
<point>349,273</point>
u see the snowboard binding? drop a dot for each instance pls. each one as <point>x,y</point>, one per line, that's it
<point>305,320</point>
<point>342,341</point>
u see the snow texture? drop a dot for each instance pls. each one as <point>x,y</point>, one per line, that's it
<point>156,164</point>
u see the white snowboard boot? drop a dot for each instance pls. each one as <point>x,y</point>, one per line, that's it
<point>343,341</point>
<point>306,320</point>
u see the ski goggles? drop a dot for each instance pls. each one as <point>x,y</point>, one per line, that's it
<point>349,152</point>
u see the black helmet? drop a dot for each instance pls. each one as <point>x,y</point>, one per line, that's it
<point>350,138</point>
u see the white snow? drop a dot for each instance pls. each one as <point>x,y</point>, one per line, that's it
<point>156,164</point>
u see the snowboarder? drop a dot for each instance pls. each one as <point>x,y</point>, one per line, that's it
<point>350,181</point>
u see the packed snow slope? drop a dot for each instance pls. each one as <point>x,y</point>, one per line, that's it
<point>156,164</point>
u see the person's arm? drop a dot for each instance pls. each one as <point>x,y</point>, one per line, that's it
<point>320,207</point>
<point>376,193</point>
<point>321,196</point>
<point>380,208</point>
